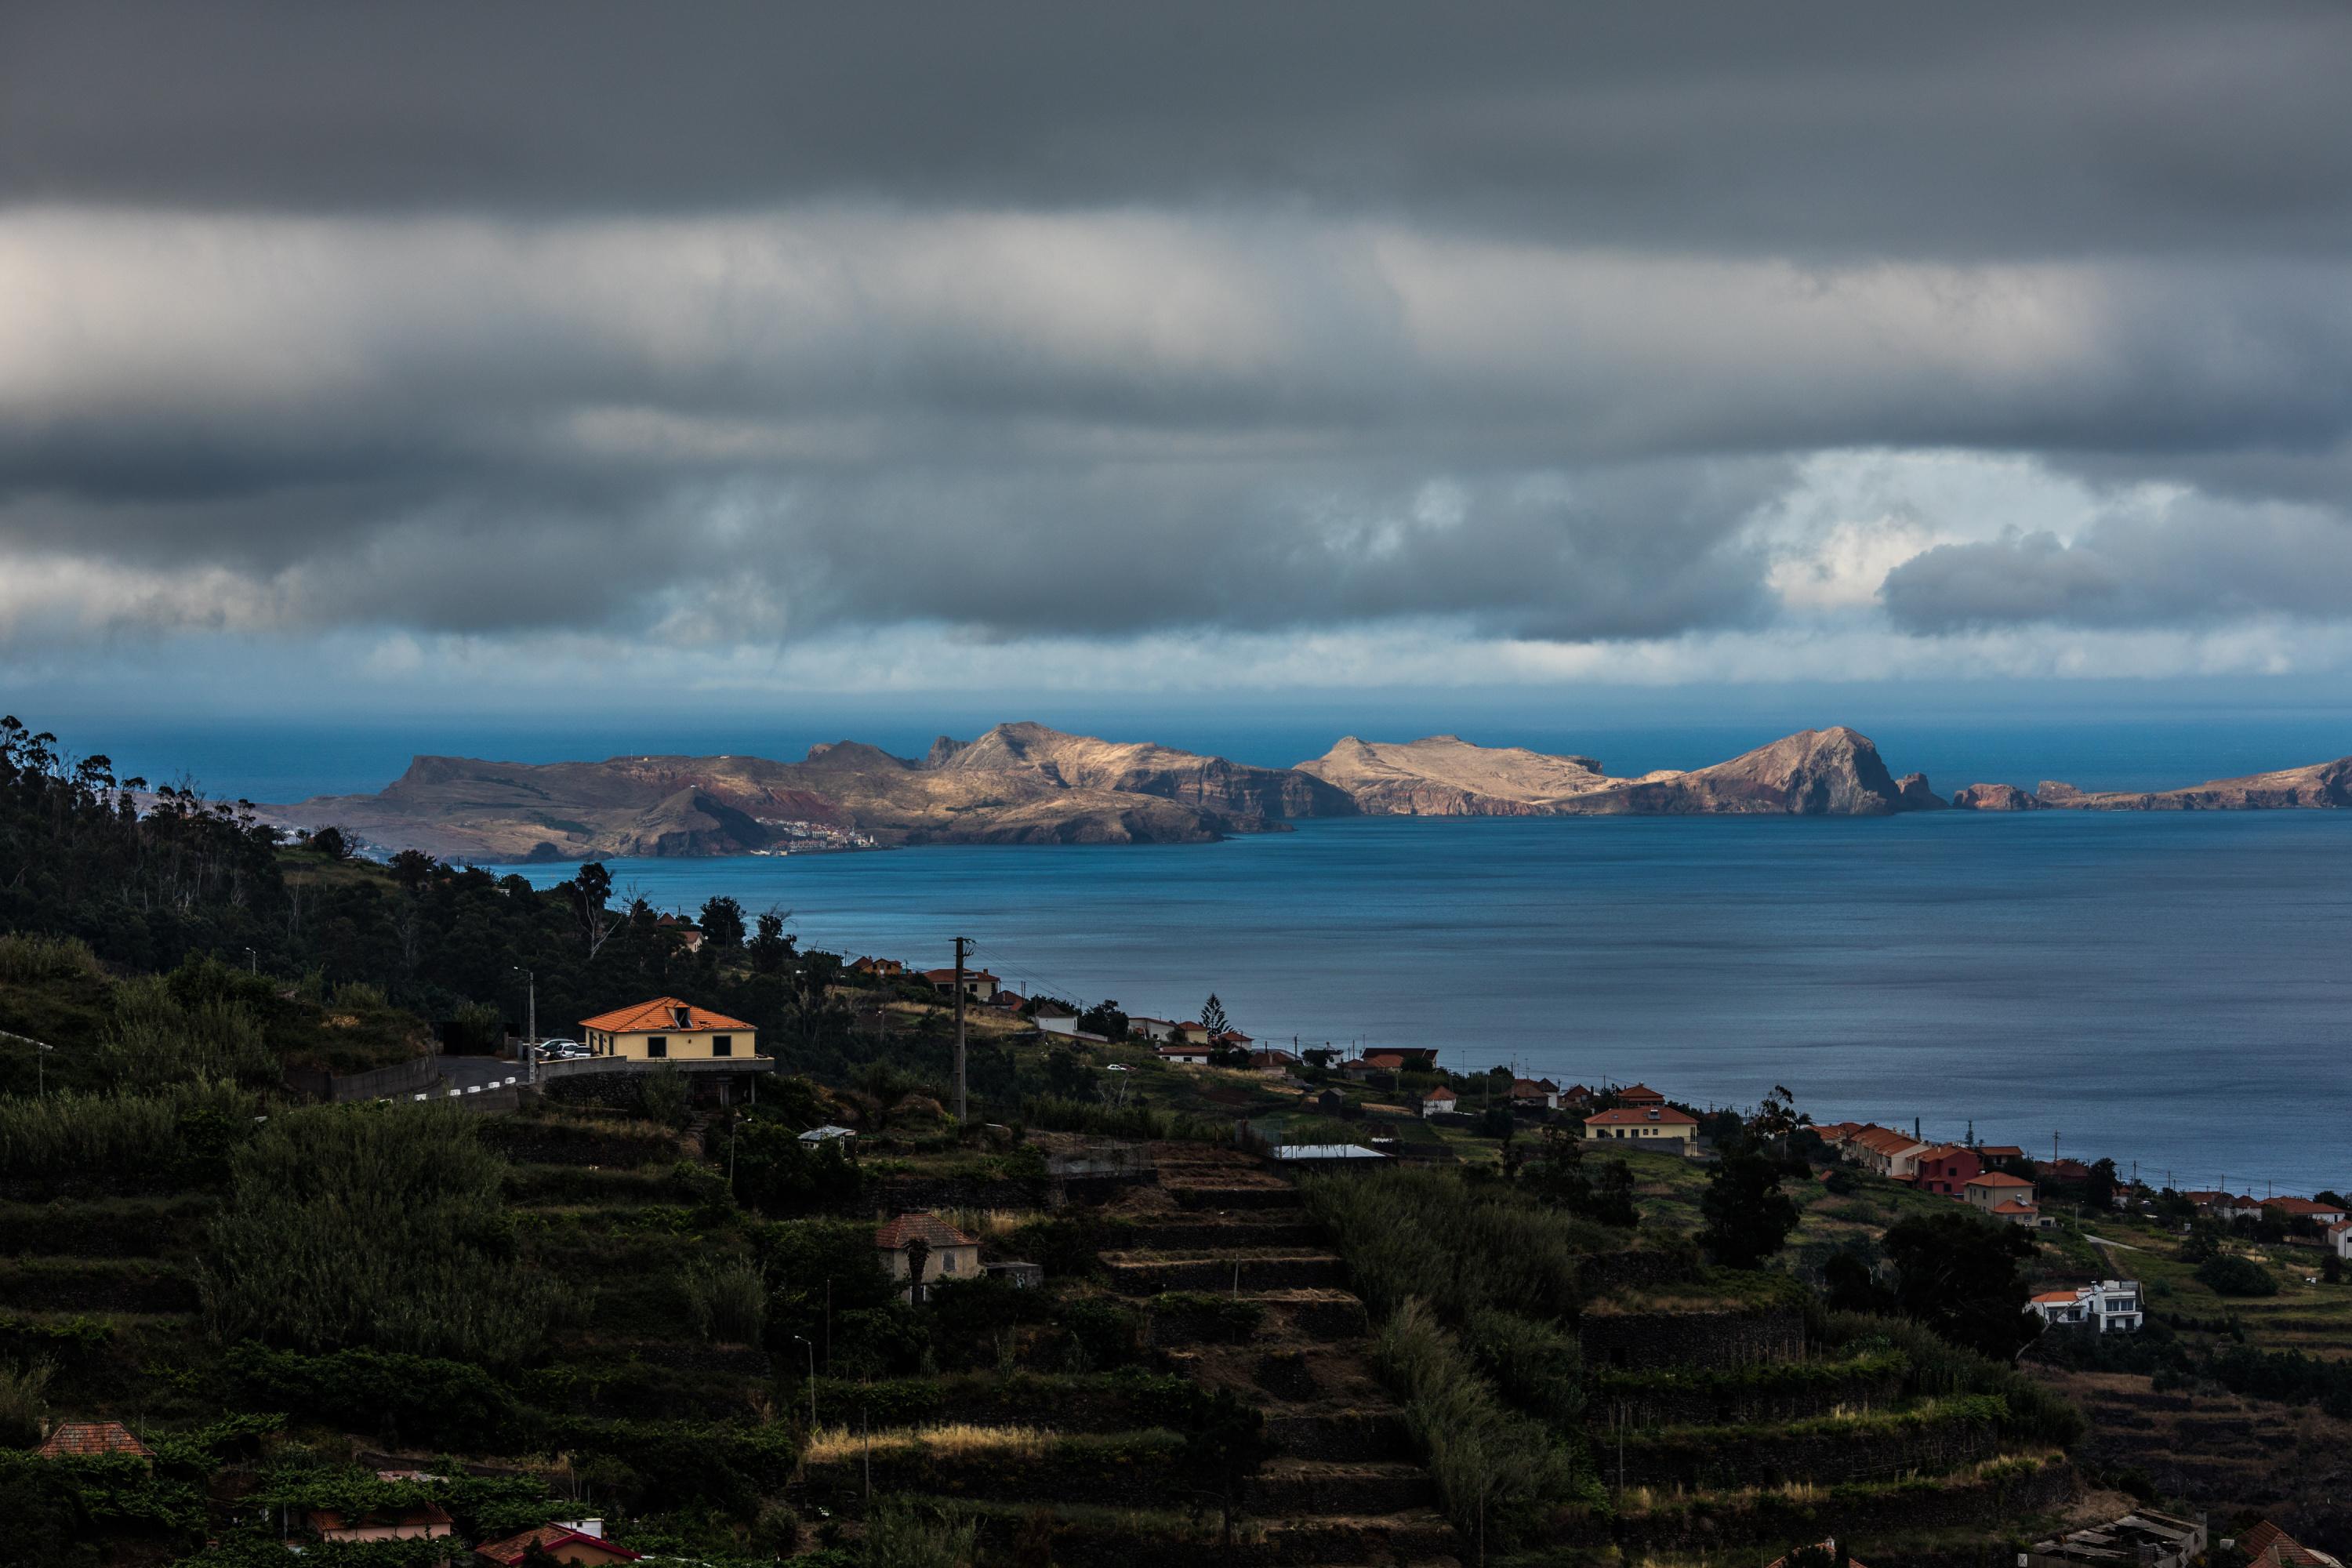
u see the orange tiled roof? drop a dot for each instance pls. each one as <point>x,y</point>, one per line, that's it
<point>894,1235</point>
<point>656,1016</point>
<point>1639,1116</point>
<point>550,1536</point>
<point>1640,1094</point>
<point>2067,1298</point>
<point>2013,1206</point>
<point>75,1439</point>
<point>1999,1179</point>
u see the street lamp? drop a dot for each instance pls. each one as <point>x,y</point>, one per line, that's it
<point>812,1360</point>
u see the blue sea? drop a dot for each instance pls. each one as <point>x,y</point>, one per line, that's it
<point>2173,990</point>
<point>2169,990</point>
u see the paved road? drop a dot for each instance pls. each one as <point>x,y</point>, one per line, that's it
<point>467,1072</point>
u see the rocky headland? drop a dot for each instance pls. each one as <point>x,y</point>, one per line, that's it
<point>1026,784</point>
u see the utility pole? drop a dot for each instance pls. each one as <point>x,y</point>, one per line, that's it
<point>963,1114</point>
<point>531,1023</point>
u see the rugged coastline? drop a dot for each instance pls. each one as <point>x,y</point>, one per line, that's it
<point>1027,784</point>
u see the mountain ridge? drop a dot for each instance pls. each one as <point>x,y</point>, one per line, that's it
<point>1025,783</point>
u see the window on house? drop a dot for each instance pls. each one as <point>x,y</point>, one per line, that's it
<point>947,1262</point>
<point>722,1045</point>
<point>657,1045</point>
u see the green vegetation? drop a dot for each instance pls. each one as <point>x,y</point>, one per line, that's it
<point>375,1227</point>
<point>2226,1274</point>
<point>1428,1236</point>
<point>1500,1472</point>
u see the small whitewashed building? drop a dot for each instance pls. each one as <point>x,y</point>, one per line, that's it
<point>1186,1056</point>
<point>1154,1029</point>
<point>1439,1101</point>
<point>2111,1306</point>
<point>946,1252</point>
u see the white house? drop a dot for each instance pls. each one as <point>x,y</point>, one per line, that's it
<point>1187,1056</point>
<point>1439,1101</point>
<point>1152,1028</point>
<point>2113,1305</point>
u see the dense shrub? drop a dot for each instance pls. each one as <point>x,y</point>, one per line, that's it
<point>23,1399</point>
<point>156,1038</point>
<point>900,1535</point>
<point>2227,1274</point>
<point>1499,1473</point>
<point>1935,1368</point>
<point>28,958</point>
<point>1537,1368</point>
<point>1427,1234</point>
<point>376,1228</point>
<point>167,1139</point>
<point>422,1399</point>
<point>728,1298</point>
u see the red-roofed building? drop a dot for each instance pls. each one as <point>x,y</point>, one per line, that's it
<point>1947,1169</point>
<point>2007,1198</point>
<point>946,1252</point>
<point>565,1543</point>
<point>2268,1546</point>
<point>1886,1152</point>
<point>1833,1552</point>
<point>1184,1055</point>
<point>1438,1101</point>
<point>1999,1156</point>
<point>87,1440</point>
<point>1640,1095</point>
<point>1647,1124</point>
<point>879,968</point>
<point>1535,1091</point>
<point>667,1029</point>
<point>977,984</point>
<point>2318,1213</point>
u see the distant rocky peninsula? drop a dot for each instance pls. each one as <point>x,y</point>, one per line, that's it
<point>1026,784</point>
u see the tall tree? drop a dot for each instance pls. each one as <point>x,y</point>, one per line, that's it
<point>1213,1016</point>
<point>1958,1274</point>
<point>1747,1216</point>
<point>723,925</point>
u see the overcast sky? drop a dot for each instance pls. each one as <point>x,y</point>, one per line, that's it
<point>496,356</point>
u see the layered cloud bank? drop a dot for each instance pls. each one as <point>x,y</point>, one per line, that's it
<point>446,349</point>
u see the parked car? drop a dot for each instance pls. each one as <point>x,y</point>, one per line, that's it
<point>561,1050</point>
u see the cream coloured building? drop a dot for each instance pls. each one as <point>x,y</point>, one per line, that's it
<point>667,1029</point>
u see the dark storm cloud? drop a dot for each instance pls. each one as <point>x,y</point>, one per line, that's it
<point>719,321</point>
<point>1812,128</point>
<point>2193,561</point>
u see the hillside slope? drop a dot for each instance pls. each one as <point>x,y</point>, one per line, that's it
<point>1833,771</point>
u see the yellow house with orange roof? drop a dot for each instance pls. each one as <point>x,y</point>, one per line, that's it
<point>667,1029</point>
